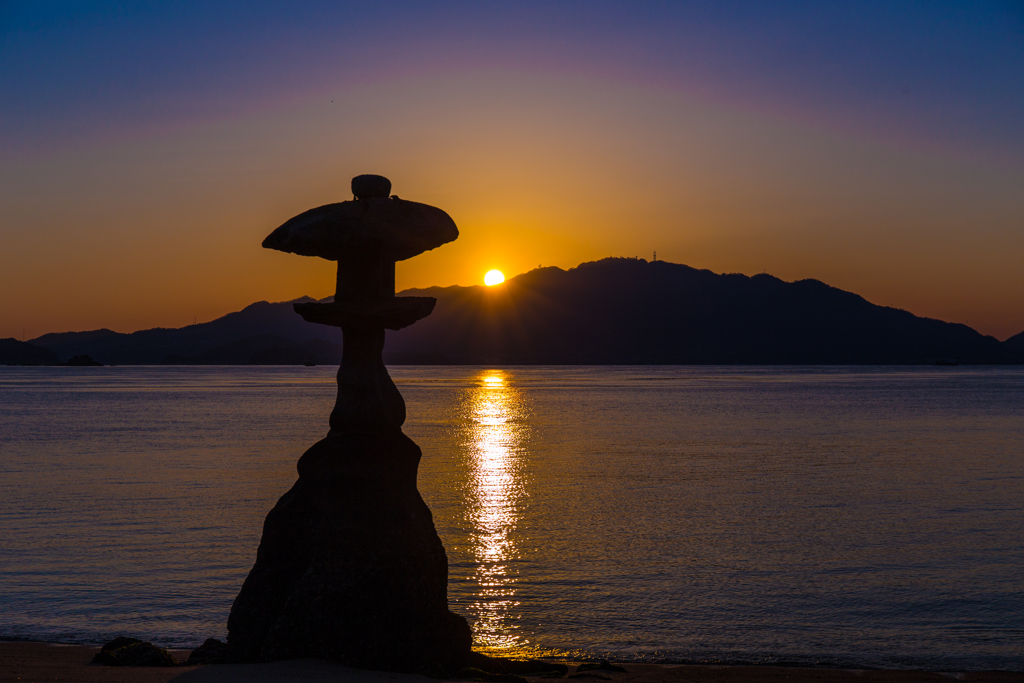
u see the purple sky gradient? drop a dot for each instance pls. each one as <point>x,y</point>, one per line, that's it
<point>934,74</point>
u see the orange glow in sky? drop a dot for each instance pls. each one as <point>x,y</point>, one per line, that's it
<point>150,221</point>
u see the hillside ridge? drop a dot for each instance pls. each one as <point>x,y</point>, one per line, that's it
<point>611,311</point>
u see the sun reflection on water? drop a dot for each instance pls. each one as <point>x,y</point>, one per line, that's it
<point>497,435</point>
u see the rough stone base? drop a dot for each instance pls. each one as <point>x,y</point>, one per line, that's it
<point>350,567</point>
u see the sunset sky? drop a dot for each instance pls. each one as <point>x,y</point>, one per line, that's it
<point>146,149</point>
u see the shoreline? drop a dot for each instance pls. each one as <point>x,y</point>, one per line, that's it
<point>24,661</point>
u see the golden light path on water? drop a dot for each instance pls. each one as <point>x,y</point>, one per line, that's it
<point>496,439</point>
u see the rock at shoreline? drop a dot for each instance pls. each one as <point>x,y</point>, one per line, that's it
<point>212,651</point>
<point>519,667</point>
<point>470,673</point>
<point>132,652</point>
<point>480,667</point>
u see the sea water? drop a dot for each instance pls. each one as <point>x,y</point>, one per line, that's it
<point>846,516</point>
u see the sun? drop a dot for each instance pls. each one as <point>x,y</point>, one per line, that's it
<point>494,277</point>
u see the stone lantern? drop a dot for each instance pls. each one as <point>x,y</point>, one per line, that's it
<point>350,567</point>
<point>366,237</point>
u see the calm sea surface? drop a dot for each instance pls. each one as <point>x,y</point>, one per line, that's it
<point>842,516</point>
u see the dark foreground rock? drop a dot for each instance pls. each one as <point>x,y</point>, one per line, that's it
<point>132,652</point>
<point>350,567</point>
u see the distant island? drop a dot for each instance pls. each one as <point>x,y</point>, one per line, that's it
<point>608,312</point>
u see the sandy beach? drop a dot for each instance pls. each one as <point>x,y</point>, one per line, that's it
<point>37,662</point>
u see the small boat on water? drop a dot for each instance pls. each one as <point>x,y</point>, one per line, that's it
<point>310,363</point>
<point>947,361</point>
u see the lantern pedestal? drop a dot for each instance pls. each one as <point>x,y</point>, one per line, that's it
<point>350,567</point>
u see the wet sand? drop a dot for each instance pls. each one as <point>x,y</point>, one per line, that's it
<point>38,662</point>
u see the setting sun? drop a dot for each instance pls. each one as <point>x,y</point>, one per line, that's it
<point>494,277</point>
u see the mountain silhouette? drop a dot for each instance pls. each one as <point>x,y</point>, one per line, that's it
<point>1015,346</point>
<point>612,311</point>
<point>223,339</point>
<point>265,349</point>
<point>630,311</point>
<point>14,352</point>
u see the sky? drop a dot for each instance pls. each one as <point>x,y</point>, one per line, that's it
<point>147,148</point>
